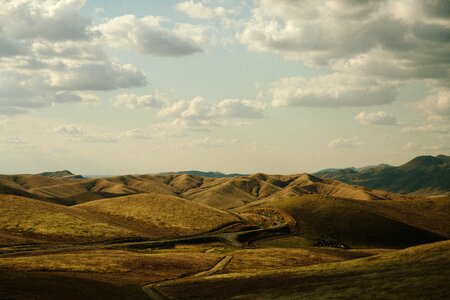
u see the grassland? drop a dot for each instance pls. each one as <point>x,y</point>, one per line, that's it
<point>247,237</point>
<point>414,273</point>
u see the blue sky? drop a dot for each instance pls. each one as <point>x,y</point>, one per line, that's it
<point>121,87</point>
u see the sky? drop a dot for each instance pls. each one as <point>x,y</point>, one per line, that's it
<point>276,86</point>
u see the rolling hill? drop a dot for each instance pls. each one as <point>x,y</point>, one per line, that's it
<point>156,215</point>
<point>355,223</point>
<point>33,220</point>
<point>423,174</point>
<point>420,272</point>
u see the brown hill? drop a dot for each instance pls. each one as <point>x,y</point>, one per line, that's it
<point>356,223</point>
<point>33,219</point>
<point>415,273</point>
<point>156,215</point>
<point>222,193</point>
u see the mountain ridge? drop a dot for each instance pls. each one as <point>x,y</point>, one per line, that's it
<point>422,174</point>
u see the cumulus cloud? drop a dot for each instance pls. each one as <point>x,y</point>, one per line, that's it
<point>437,105</point>
<point>98,76</point>
<point>50,53</point>
<point>342,143</point>
<point>334,90</point>
<point>382,41</point>
<point>174,129</point>
<point>199,10</point>
<point>321,32</point>
<point>133,101</point>
<point>75,133</point>
<point>376,118</point>
<point>51,20</point>
<point>147,36</point>
<point>199,109</point>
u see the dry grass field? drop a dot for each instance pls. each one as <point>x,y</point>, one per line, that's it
<point>414,273</point>
<point>246,237</point>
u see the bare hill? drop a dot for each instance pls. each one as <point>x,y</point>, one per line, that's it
<point>222,193</point>
<point>157,215</point>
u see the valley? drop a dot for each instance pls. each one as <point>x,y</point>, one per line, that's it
<point>183,236</point>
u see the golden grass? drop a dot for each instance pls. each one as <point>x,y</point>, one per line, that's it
<point>160,215</point>
<point>112,261</point>
<point>420,272</point>
<point>33,218</point>
<point>354,222</point>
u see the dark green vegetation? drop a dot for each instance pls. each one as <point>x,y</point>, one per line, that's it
<point>181,236</point>
<point>423,174</point>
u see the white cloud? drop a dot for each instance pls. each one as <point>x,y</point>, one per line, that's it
<point>341,143</point>
<point>173,129</point>
<point>437,105</point>
<point>199,109</point>
<point>199,34</point>
<point>75,97</point>
<point>239,108</point>
<point>147,36</point>
<point>133,101</point>
<point>198,10</point>
<point>99,76</point>
<point>376,118</point>
<point>139,134</point>
<point>58,56</point>
<point>51,20</point>
<point>333,90</point>
<point>430,127</point>
<point>69,130</point>
<point>321,32</point>
<point>76,133</point>
<point>213,143</point>
<point>388,42</point>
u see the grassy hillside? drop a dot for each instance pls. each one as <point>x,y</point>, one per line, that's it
<point>423,174</point>
<point>222,193</point>
<point>362,223</point>
<point>29,218</point>
<point>157,215</point>
<point>420,272</point>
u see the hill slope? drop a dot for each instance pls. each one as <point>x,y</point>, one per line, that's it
<point>423,174</point>
<point>394,223</point>
<point>33,219</point>
<point>156,215</point>
<point>414,273</point>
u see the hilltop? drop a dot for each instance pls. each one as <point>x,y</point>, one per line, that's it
<point>423,174</point>
<point>132,236</point>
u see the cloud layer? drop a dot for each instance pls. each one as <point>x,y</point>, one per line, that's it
<point>147,36</point>
<point>334,90</point>
<point>376,118</point>
<point>199,109</point>
<point>384,42</point>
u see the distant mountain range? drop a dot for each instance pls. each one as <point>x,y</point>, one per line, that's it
<point>61,174</point>
<point>204,174</point>
<point>423,174</point>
